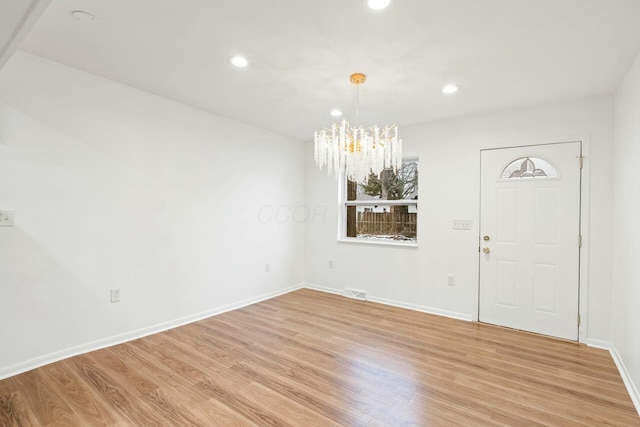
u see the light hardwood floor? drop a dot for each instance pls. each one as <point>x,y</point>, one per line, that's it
<point>313,359</point>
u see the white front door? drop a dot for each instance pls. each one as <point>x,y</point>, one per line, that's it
<point>530,238</point>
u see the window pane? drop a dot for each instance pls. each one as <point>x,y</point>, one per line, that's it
<point>352,190</point>
<point>397,222</point>
<point>528,167</point>
<point>390,185</point>
<point>383,221</point>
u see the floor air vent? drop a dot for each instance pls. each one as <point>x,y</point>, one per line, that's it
<point>355,294</point>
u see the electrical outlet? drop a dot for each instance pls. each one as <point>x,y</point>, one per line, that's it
<point>6,217</point>
<point>267,268</point>
<point>330,263</point>
<point>451,280</point>
<point>115,295</point>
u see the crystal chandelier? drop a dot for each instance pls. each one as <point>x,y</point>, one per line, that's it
<point>356,150</point>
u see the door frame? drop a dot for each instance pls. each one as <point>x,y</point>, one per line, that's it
<point>583,257</point>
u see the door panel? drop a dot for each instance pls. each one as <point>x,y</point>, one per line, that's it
<point>530,223</point>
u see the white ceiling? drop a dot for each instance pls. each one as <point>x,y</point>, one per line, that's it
<point>17,17</point>
<point>502,54</point>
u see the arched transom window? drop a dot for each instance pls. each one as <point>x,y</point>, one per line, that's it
<point>529,168</point>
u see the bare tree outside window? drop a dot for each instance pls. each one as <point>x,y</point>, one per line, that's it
<point>385,206</point>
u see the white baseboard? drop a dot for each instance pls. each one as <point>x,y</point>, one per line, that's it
<point>628,382</point>
<point>422,308</point>
<point>622,369</point>
<point>399,304</point>
<point>46,359</point>
<point>605,345</point>
<point>322,289</point>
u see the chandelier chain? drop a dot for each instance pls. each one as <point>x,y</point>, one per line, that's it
<point>357,105</point>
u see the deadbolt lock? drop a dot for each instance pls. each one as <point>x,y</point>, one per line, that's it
<point>486,238</point>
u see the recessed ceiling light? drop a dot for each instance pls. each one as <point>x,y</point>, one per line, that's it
<point>82,16</point>
<point>449,89</point>
<point>336,113</point>
<point>378,4</point>
<point>239,61</point>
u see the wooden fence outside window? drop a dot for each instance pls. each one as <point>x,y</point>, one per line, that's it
<point>387,223</point>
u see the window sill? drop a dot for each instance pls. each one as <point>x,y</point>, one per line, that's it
<point>378,242</point>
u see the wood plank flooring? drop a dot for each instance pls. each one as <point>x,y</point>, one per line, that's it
<point>313,359</point>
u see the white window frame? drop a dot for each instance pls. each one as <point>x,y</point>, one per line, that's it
<point>343,203</point>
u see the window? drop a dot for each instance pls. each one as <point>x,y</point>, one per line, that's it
<point>383,208</point>
<point>528,167</point>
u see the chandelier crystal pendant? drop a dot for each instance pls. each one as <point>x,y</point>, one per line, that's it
<point>355,150</point>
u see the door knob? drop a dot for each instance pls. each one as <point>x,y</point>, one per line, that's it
<point>486,250</point>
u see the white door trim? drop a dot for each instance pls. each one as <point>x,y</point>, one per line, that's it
<point>585,192</point>
<point>583,288</point>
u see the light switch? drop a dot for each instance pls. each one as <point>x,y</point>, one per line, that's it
<point>461,224</point>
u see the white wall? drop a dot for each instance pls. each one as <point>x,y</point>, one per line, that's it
<point>114,187</point>
<point>626,237</point>
<point>449,153</point>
